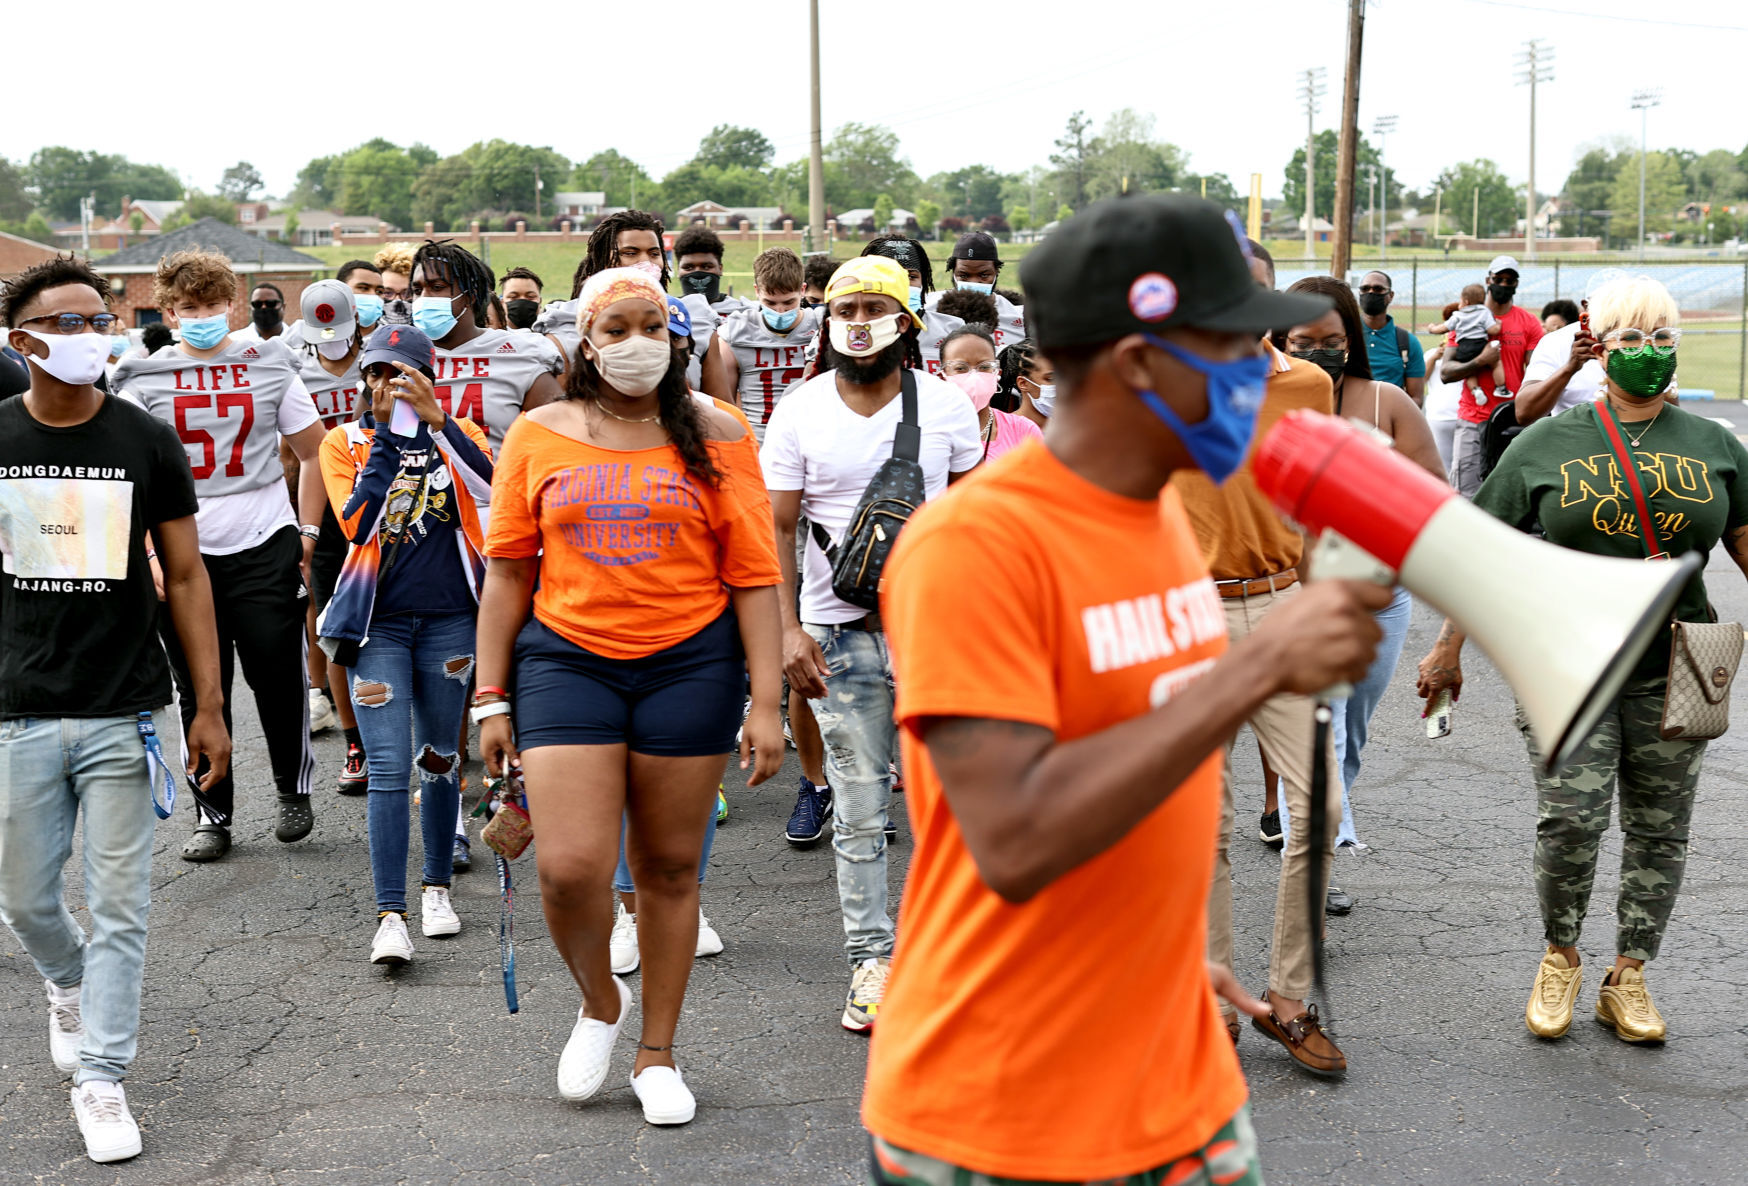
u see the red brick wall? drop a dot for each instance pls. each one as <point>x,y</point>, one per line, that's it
<point>17,255</point>
<point>137,298</point>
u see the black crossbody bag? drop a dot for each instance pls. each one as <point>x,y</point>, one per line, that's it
<point>892,497</point>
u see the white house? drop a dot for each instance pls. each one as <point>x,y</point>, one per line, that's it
<point>586,203</point>
<point>715,214</point>
<point>851,219</point>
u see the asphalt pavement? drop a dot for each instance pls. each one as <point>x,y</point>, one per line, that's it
<point>272,1051</point>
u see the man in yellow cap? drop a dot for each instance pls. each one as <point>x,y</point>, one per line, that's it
<point>827,441</point>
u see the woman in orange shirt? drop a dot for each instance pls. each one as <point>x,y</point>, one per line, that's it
<point>642,515</point>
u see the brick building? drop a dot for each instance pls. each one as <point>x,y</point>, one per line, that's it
<point>254,260</point>
<point>17,254</point>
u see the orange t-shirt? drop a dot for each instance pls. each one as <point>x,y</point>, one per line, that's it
<point>1075,1036</point>
<point>634,551</point>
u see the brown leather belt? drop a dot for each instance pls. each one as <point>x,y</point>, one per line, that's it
<point>1257,586</point>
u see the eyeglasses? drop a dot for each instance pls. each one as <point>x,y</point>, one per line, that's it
<point>1333,342</point>
<point>1634,341</point>
<point>76,323</point>
<point>266,304</point>
<point>961,368</point>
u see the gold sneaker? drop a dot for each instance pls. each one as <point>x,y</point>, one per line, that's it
<point>1626,1005</point>
<point>1549,1014</point>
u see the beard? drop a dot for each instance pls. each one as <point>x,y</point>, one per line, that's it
<point>865,372</point>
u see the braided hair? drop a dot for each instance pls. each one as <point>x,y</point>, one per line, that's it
<point>462,268</point>
<point>681,415</point>
<point>603,249</point>
<point>893,248</point>
<point>1016,364</point>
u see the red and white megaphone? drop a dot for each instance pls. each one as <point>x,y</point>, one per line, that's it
<point>1566,657</point>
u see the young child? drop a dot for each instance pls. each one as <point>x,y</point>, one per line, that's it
<point>1471,326</point>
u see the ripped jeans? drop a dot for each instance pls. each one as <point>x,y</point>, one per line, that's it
<point>861,741</point>
<point>409,689</point>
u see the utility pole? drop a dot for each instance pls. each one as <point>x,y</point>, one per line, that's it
<point>1382,127</point>
<point>1643,101</point>
<point>537,193</point>
<point>86,205</point>
<point>1371,196</point>
<point>816,146</point>
<point>1342,249</point>
<point>1310,90</point>
<point>1535,64</point>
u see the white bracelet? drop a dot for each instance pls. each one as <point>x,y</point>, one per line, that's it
<point>497,708</point>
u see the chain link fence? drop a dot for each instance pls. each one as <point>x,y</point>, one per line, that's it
<point>1711,292</point>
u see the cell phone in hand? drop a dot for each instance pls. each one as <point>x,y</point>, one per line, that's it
<point>1438,715</point>
<point>404,420</point>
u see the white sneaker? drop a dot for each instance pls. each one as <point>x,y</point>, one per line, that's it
<point>322,716</point>
<point>392,944</point>
<point>66,1028</point>
<point>437,915</point>
<point>664,1095</point>
<point>104,1121</point>
<point>709,943</point>
<point>622,947</point>
<point>582,1068</point>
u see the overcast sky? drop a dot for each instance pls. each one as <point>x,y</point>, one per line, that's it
<point>961,83</point>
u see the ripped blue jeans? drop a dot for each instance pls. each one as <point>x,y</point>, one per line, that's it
<point>861,742</point>
<point>409,689</point>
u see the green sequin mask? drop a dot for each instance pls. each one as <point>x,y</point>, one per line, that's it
<point>1643,372</point>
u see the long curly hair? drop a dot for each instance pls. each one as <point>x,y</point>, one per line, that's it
<point>681,415</point>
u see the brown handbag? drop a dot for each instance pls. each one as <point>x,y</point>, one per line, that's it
<point>1703,656</point>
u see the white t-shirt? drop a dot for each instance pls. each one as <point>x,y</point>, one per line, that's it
<point>1552,353</point>
<point>1440,399</point>
<point>250,334</point>
<point>815,444</point>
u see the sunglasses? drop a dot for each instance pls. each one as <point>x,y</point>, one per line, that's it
<point>266,304</point>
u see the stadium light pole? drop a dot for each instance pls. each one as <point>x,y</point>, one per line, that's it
<point>816,146</point>
<point>1643,101</point>
<point>1535,64</point>
<point>1311,89</point>
<point>1381,128</point>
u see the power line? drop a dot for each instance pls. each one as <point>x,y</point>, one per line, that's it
<point>1592,15</point>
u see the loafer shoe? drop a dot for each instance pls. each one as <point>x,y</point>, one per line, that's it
<point>1305,1040</point>
<point>1625,1003</point>
<point>664,1095</point>
<point>1549,1012</point>
<point>582,1068</point>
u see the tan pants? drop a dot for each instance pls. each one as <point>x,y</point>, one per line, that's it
<point>1284,728</point>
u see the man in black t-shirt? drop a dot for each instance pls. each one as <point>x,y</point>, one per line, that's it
<point>84,683</point>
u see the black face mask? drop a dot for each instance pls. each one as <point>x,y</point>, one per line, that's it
<point>1331,362</point>
<point>265,319</point>
<point>810,303</point>
<point>705,284</point>
<point>1374,303</point>
<point>397,311</point>
<point>521,312</point>
<point>1502,294</point>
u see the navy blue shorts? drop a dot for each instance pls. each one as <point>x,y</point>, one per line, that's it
<point>683,702</point>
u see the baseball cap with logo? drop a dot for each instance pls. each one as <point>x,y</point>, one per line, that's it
<point>1146,263</point>
<point>327,311</point>
<point>399,343</point>
<point>976,245</point>
<point>679,321</point>
<point>872,273</point>
<point>1503,263</point>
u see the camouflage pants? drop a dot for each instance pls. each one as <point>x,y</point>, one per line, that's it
<point>1229,1159</point>
<point>1657,781</point>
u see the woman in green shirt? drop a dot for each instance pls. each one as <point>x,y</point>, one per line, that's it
<point>1561,471</point>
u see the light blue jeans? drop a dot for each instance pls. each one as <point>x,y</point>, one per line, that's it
<point>1353,716</point>
<point>49,769</point>
<point>622,874</point>
<point>861,741</point>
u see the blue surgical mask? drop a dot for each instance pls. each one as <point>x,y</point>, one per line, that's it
<point>203,333</point>
<point>117,345</point>
<point>916,299</point>
<point>369,307</point>
<point>780,323</point>
<point>434,315</point>
<point>1219,443</point>
<point>975,286</point>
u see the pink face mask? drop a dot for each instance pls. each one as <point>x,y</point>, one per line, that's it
<point>979,385</point>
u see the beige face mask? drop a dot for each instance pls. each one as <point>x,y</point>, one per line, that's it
<point>633,368</point>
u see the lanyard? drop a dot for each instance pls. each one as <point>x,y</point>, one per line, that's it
<point>157,768</point>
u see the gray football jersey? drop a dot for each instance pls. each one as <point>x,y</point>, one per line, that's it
<point>1010,320</point>
<point>336,396</point>
<point>769,362</point>
<point>560,320</point>
<point>936,326</point>
<point>487,379</point>
<point>225,409</point>
<point>704,322</point>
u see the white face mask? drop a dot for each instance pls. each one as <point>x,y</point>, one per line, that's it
<point>859,340</point>
<point>77,359</point>
<point>635,367</point>
<point>333,351</point>
<point>1045,399</point>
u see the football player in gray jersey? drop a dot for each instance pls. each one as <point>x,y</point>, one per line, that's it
<point>627,239</point>
<point>975,264</point>
<point>763,349</point>
<point>489,376</point>
<point>909,255</point>
<point>230,402</point>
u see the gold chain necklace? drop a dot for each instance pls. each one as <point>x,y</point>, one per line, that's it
<point>628,419</point>
<point>1648,425</point>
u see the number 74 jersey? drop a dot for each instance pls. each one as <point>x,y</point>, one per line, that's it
<point>229,410</point>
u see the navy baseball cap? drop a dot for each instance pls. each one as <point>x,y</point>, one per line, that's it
<point>399,343</point>
<point>679,321</point>
<point>976,245</point>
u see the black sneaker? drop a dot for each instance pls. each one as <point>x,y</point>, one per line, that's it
<point>813,807</point>
<point>295,818</point>
<point>354,778</point>
<point>1270,833</point>
<point>1338,901</point>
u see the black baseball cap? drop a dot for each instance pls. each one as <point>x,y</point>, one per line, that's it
<point>1146,263</point>
<point>976,245</point>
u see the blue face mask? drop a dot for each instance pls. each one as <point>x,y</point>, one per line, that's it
<point>780,323</point>
<point>975,286</point>
<point>117,345</point>
<point>434,315</point>
<point>916,299</point>
<point>203,333</point>
<point>1218,443</point>
<point>369,307</point>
